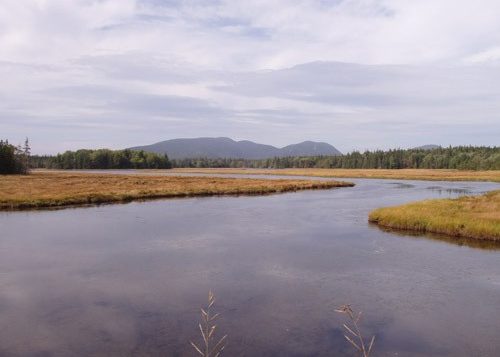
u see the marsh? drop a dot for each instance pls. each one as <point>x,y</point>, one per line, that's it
<point>128,279</point>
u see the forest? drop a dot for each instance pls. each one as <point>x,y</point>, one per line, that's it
<point>102,159</point>
<point>460,157</point>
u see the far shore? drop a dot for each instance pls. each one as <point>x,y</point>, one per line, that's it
<point>395,174</point>
<point>399,174</point>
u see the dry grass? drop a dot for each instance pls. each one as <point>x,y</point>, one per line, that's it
<point>476,217</point>
<point>209,348</point>
<point>57,189</point>
<point>353,333</point>
<point>403,174</point>
<point>213,347</point>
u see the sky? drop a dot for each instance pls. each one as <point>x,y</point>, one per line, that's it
<point>358,74</point>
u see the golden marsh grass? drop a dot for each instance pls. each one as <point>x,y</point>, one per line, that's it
<point>402,174</point>
<point>58,189</point>
<point>476,217</point>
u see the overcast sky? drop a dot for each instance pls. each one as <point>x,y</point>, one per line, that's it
<point>358,74</point>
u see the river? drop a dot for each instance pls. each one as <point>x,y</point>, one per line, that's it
<point>129,279</point>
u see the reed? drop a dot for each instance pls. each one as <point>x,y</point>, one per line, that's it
<point>211,347</point>
<point>353,333</point>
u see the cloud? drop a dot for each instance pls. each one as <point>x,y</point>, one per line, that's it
<point>358,74</point>
<point>332,83</point>
<point>258,34</point>
<point>489,55</point>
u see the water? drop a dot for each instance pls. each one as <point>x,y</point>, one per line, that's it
<point>128,279</point>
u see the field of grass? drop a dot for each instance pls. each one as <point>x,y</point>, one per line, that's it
<point>403,174</point>
<point>57,189</point>
<point>476,217</point>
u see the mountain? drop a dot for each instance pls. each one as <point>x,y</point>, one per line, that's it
<point>309,148</point>
<point>228,148</point>
<point>428,147</point>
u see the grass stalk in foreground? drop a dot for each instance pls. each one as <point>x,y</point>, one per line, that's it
<point>209,348</point>
<point>353,333</point>
<point>476,217</point>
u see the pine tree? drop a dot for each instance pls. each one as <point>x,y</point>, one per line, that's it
<point>26,156</point>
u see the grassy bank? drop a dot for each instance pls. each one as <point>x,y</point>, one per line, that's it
<point>46,189</point>
<point>403,174</point>
<point>475,217</point>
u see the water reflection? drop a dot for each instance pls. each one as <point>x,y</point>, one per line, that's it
<point>448,191</point>
<point>460,241</point>
<point>402,185</point>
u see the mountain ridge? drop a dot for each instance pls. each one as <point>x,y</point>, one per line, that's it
<point>428,147</point>
<point>224,147</point>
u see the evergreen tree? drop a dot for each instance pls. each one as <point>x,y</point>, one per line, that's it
<point>12,159</point>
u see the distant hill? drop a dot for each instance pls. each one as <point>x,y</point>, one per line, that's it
<point>228,148</point>
<point>428,147</point>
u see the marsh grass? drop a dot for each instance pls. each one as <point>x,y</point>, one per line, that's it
<point>59,189</point>
<point>475,217</point>
<point>353,333</point>
<point>211,347</point>
<point>401,174</point>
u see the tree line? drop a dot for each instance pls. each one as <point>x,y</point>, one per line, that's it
<point>102,159</point>
<point>14,159</point>
<point>460,157</point>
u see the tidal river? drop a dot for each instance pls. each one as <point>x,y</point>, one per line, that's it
<point>129,279</point>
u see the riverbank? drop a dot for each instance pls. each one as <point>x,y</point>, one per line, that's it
<point>476,217</point>
<point>60,189</point>
<point>403,174</point>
